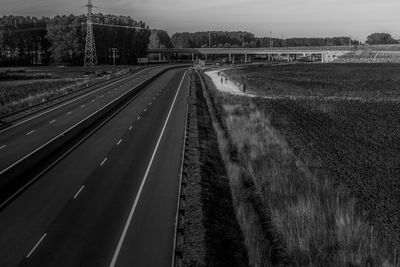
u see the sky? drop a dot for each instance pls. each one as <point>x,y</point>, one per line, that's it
<point>284,18</point>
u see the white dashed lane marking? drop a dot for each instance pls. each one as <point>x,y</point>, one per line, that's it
<point>3,146</point>
<point>138,118</point>
<point>80,190</point>
<point>37,244</point>
<point>119,142</point>
<point>69,112</point>
<point>31,132</point>
<point>52,121</point>
<point>83,106</point>
<point>130,128</point>
<point>104,161</point>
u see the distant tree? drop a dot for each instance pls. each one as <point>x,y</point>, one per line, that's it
<point>201,39</point>
<point>246,39</point>
<point>67,37</point>
<point>61,39</point>
<point>159,39</point>
<point>23,39</point>
<point>381,38</point>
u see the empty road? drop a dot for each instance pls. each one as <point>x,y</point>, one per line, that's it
<point>31,133</point>
<point>111,201</point>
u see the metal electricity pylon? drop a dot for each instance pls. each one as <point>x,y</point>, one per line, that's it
<point>90,48</point>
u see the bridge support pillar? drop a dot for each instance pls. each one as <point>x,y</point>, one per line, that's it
<point>245,58</point>
<point>233,59</point>
<point>192,56</point>
<point>159,57</point>
<point>322,57</point>
<point>230,57</point>
<point>206,56</point>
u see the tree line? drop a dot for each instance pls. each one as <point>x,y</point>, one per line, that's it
<point>221,39</point>
<point>61,39</point>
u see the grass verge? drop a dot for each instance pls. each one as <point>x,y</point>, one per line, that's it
<point>290,213</point>
<point>212,233</point>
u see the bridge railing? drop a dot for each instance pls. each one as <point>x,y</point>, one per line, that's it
<point>241,50</point>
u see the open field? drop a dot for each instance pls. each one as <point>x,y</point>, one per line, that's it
<point>24,87</point>
<point>325,172</point>
<point>367,81</point>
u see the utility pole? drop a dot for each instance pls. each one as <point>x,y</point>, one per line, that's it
<point>270,39</point>
<point>114,54</point>
<point>90,48</point>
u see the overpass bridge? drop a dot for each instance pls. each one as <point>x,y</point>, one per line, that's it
<point>320,53</point>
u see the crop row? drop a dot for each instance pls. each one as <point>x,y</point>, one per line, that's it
<point>369,81</point>
<point>358,144</point>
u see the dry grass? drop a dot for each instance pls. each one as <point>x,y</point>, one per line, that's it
<point>22,92</point>
<point>313,222</point>
<point>212,234</point>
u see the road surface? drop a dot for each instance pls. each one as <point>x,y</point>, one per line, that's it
<point>31,133</point>
<point>112,201</point>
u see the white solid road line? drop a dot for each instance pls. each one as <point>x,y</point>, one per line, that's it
<point>128,222</point>
<point>69,102</point>
<point>104,161</point>
<point>80,190</point>
<point>37,244</point>
<point>3,146</point>
<point>31,132</point>
<point>119,142</point>
<point>52,121</point>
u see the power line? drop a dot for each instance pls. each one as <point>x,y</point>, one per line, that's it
<point>40,28</point>
<point>121,26</point>
<point>71,26</point>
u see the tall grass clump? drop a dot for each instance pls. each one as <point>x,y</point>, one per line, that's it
<point>290,212</point>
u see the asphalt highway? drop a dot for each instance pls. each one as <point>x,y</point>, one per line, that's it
<point>112,201</point>
<point>30,133</point>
